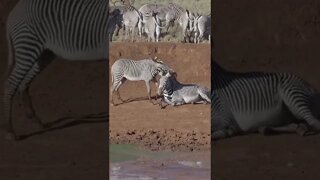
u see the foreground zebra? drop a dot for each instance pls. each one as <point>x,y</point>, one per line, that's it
<point>38,31</point>
<point>261,102</point>
<point>142,70</point>
<point>175,93</point>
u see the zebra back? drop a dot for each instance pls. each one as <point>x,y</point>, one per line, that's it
<point>63,26</point>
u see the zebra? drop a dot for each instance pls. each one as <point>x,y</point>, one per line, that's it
<point>119,13</point>
<point>38,31</point>
<point>131,19</point>
<point>170,13</point>
<point>141,70</point>
<point>201,25</point>
<point>147,9</point>
<point>115,22</point>
<point>152,27</point>
<point>261,102</point>
<point>175,93</point>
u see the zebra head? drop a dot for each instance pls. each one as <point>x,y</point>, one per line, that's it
<point>162,67</point>
<point>164,82</point>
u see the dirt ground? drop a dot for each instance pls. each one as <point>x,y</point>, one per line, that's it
<point>268,36</point>
<point>174,128</point>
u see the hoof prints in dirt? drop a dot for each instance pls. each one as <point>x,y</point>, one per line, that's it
<point>156,140</point>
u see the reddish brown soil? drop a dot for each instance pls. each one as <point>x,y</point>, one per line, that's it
<point>185,127</point>
<point>269,36</point>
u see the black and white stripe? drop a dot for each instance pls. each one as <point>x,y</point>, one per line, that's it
<point>257,99</point>
<point>39,30</point>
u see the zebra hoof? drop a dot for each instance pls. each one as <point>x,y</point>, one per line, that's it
<point>302,130</point>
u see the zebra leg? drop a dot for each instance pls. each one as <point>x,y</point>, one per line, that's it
<point>133,33</point>
<point>157,33</point>
<point>300,129</point>
<point>156,84</point>
<point>222,134</point>
<point>19,78</point>
<point>204,95</point>
<point>160,103</point>
<point>42,62</point>
<point>127,33</point>
<point>195,37</point>
<point>149,90</point>
<point>115,88</point>
<point>140,29</point>
<point>300,107</point>
<point>28,63</point>
<point>30,112</point>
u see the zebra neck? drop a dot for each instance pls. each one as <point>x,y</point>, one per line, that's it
<point>168,93</point>
<point>154,73</point>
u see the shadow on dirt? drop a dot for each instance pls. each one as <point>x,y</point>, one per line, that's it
<point>69,121</point>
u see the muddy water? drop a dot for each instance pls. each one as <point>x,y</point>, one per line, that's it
<point>130,162</point>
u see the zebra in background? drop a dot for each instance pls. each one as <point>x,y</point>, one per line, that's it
<point>142,70</point>
<point>38,31</point>
<point>127,17</point>
<point>176,93</point>
<point>115,23</point>
<point>131,19</point>
<point>170,13</point>
<point>201,27</point>
<point>153,27</point>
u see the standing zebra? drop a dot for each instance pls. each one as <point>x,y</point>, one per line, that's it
<point>39,30</point>
<point>131,19</point>
<point>170,13</point>
<point>256,101</point>
<point>153,27</point>
<point>175,93</point>
<point>142,70</point>
<point>201,27</point>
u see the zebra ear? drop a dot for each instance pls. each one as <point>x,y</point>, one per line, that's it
<point>187,12</point>
<point>157,60</point>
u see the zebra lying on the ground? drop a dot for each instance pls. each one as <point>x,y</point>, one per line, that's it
<point>261,102</point>
<point>142,70</point>
<point>176,93</point>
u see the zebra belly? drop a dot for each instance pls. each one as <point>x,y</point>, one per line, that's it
<point>92,54</point>
<point>192,99</point>
<point>251,121</point>
<point>188,95</point>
